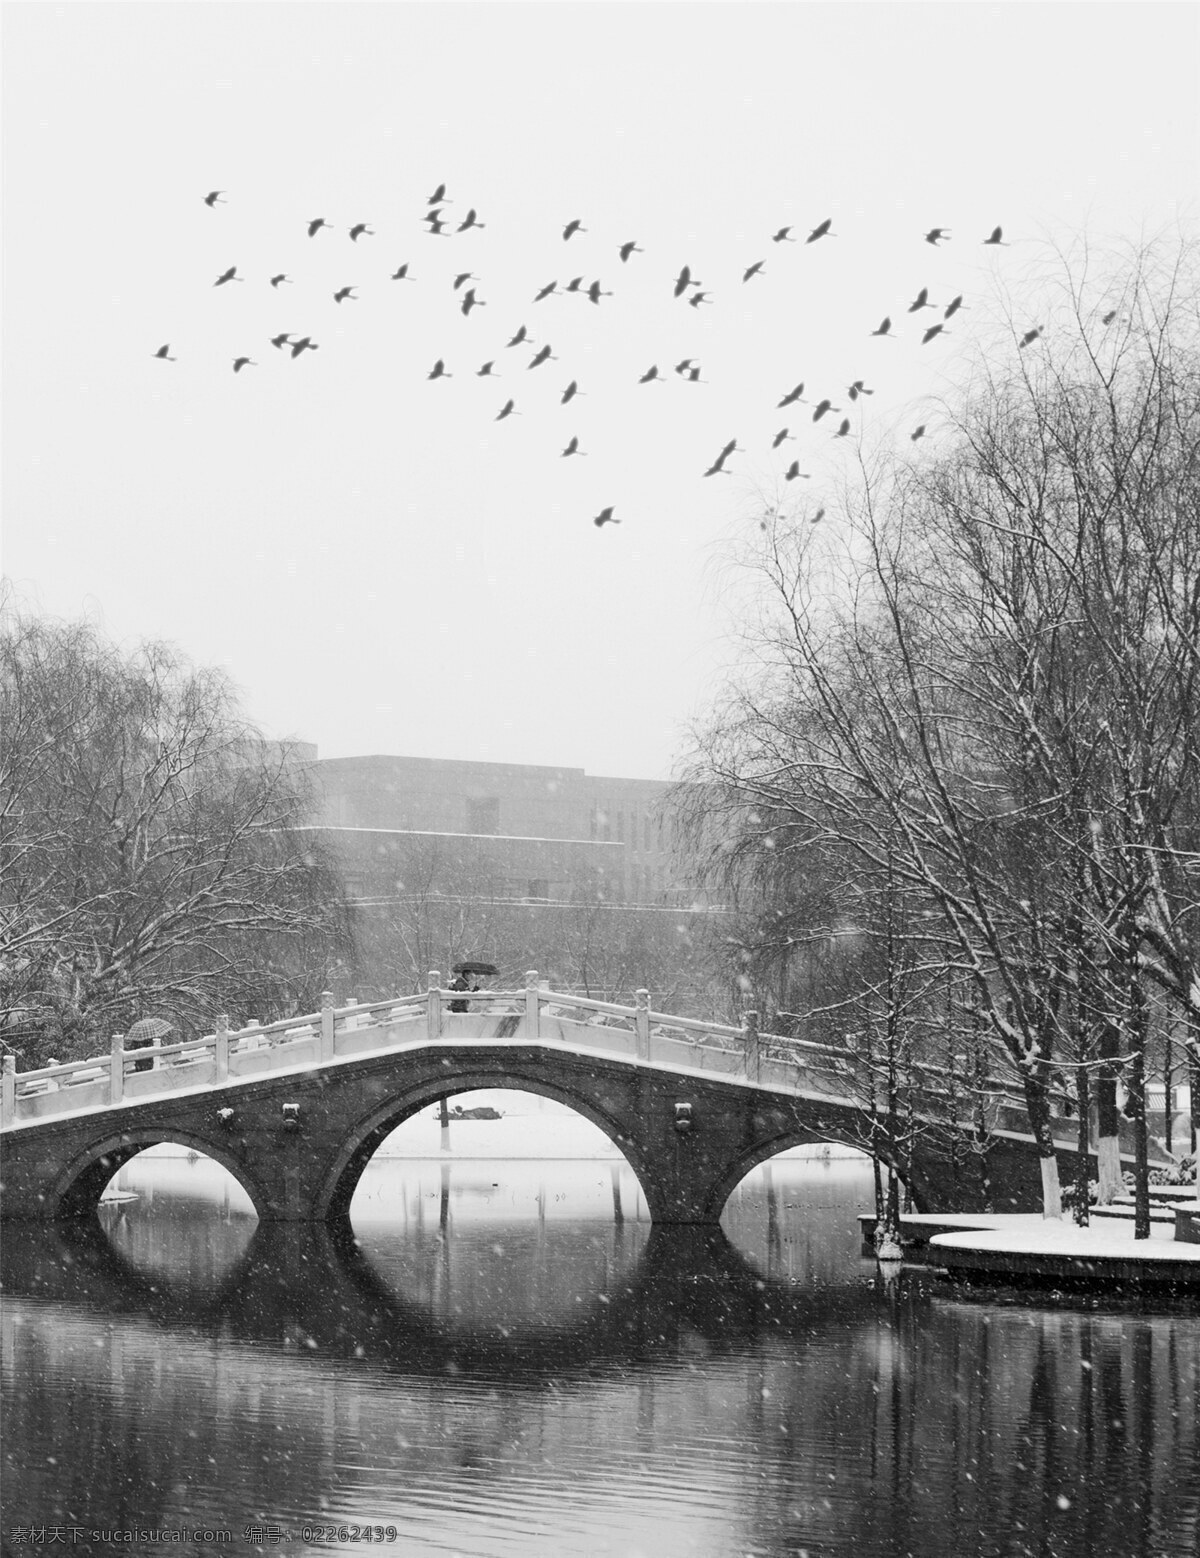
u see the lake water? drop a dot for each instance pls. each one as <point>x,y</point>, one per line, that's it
<point>499,1367</point>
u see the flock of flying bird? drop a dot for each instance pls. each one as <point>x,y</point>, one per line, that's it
<point>686,288</point>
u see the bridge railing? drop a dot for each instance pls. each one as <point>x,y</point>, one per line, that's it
<point>533,1013</point>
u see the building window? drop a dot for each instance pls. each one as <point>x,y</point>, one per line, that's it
<point>483,815</point>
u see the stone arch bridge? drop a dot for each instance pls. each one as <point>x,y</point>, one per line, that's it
<point>294,1110</point>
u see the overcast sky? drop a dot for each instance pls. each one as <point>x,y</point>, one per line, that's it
<point>381,565</point>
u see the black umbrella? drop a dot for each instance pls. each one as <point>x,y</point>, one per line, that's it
<point>471,967</point>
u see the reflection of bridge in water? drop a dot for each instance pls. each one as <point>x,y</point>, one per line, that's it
<point>295,1110</point>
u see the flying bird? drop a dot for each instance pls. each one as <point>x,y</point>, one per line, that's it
<point>343,293</point>
<point>213,198</point>
<point>595,294</point>
<point>521,335</point>
<point>858,388</point>
<point>780,436</point>
<point>697,298</point>
<point>605,517</point>
<point>936,234</point>
<point>359,229</point>
<point>551,286</point>
<point>164,353</point>
<point>572,228</point>
<point>627,249</point>
<point>693,376</point>
<point>1030,337</point>
<point>507,410</point>
<point>921,301</point>
<point>540,357</point>
<point>1109,317</point>
<point>753,270</point>
<point>438,196</point>
<point>792,396</point>
<point>471,220</point>
<point>843,429</point>
<point>649,375</point>
<point>243,362</point>
<point>793,471</point>
<point>575,284</point>
<point>315,226</point>
<point>684,280</point>
<point>277,281</point>
<point>281,340</point>
<point>570,392</point>
<point>934,330</point>
<point>462,278</point>
<point>470,301</point>
<point>783,236</point>
<point>686,365</point>
<point>953,307</point>
<point>438,371</point>
<point>401,273</point>
<point>229,275</point>
<point>822,231</point>
<point>996,237</point>
<point>304,344</point>
<point>817,517</point>
<point>436,226</point>
<point>719,463</point>
<point>883,328</point>
<point>573,448</point>
<point>822,408</point>
<point>486,371</point>
<point>920,433</point>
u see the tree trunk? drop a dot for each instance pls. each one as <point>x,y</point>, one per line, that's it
<point>1037,1105</point>
<point>1083,1167</point>
<point>1108,1127</point>
<point>1137,1105</point>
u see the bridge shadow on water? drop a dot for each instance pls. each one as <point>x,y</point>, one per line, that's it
<point>301,1287</point>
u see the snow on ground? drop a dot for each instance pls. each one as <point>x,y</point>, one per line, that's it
<point>1034,1235</point>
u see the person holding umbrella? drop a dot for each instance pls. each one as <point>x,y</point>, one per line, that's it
<point>147,1031</point>
<point>466,979</point>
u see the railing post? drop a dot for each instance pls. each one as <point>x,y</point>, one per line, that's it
<point>641,1023</point>
<point>533,1007</point>
<point>433,1015</point>
<point>326,1024</point>
<point>750,1045</point>
<point>8,1095</point>
<point>221,1048</point>
<point>116,1069</point>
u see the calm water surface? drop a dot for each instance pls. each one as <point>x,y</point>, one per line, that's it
<point>499,1368</point>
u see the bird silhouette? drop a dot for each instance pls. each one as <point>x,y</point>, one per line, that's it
<point>684,280</point>
<point>935,235</point>
<point>401,273</point>
<point>780,436</point>
<point>278,280</point>
<point>605,517</point>
<point>551,286</point>
<point>164,353</point>
<point>436,227</point>
<point>693,376</point>
<point>507,410</point>
<point>243,362</point>
<point>822,407</point>
<point>921,301</point>
<point>753,270</point>
<point>858,388</point>
<point>953,307</point>
<point>817,517</point>
<point>305,344</point>
<point>595,294</point>
<point>572,228</point>
<point>470,301</point>
<point>1030,337</point>
<point>213,198</point>
<point>884,327</point>
<point>650,375</point>
<point>823,231</point>
<point>315,226</point>
<point>521,335</point>
<point>574,285</point>
<point>719,463</point>
<point>931,333</point>
<point>697,298</point>
<point>793,471</point>
<point>843,429</point>
<point>627,249</point>
<point>792,397</point>
<point>996,237</point>
<point>281,340</point>
<point>573,448</point>
<point>462,278</point>
<point>229,275</point>
<point>539,357</point>
<point>920,433</point>
<point>359,229</point>
<point>486,371</point>
<point>438,196</point>
<point>1109,317</point>
<point>343,293</point>
<point>783,236</point>
<point>438,371</point>
<point>570,392</point>
<point>471,220</point>
<point>685,365</point>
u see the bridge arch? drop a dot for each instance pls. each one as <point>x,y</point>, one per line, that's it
<point>340,1180</point>
<point>796,1136</point>
<point>77,1189</point>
